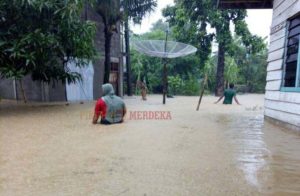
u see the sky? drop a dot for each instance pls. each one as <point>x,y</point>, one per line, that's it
<point>259,21</point>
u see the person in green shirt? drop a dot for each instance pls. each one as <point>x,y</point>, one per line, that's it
<point>229,94</point>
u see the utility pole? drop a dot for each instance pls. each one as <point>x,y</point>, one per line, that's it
<point>165,74</point>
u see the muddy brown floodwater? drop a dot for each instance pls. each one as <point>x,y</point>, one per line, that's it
<point>53,149</point>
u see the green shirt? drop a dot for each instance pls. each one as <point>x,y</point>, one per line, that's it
<point>229,94</point>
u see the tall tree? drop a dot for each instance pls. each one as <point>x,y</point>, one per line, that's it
<point>136,10</point>
<point>110,12</point>
<point>39,38</point>
<point>246,70</point>
<point>252,67</point>
<point>203,14</point>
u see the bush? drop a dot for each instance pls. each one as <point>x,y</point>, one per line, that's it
<point>190,86</point>
<point>175,84</point>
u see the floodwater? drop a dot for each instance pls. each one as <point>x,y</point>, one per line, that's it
<point>219,150</point>
<point>268,155</point>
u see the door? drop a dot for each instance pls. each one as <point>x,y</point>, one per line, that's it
<point>114,76</point>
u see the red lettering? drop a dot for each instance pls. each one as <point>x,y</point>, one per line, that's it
<point>139,117</point>
<point>169,115</point>
<point>132,115</point>
<point>145,115</point>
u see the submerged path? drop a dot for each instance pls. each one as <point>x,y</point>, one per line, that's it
<point>219,150</point>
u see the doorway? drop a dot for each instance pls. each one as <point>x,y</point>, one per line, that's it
<point>114,76</point>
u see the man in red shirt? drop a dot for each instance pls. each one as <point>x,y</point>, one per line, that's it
<point>109,107</point>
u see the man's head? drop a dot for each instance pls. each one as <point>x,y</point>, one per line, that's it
<point>231,85</point>
<point>108,89</point>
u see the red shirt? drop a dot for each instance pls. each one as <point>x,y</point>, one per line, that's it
<point>100,108</point>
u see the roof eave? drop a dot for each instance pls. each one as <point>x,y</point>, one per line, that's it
<point>245,4</point>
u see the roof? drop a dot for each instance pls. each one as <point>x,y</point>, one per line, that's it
<point>245,4</point>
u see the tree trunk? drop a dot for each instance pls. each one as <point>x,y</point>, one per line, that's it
<point>23,91</point>
<point>220,70</point>
<point>107,64</point>
<point>128,62</point>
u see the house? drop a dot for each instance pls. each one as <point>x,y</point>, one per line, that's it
<point>282,98</point>
<point>93,75</point>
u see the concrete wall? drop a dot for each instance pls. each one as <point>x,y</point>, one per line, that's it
<point>7,89</point>
<point>282,106</point>
<point>34,90</point>
<point>12,90</point>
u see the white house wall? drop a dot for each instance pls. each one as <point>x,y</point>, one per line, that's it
<point>290,11</point>
<point>283,106</point>
<point>275,65</point>
<point>81,90</point>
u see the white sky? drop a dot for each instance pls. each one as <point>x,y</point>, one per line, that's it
<point>259,21</point>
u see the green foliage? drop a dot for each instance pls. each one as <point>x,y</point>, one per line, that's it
<point>231,70</point>
<point>210,70</point>
<point>113,12</point>
<point>191,86</point>
<point>243,69</point>
<point>244,62</point>
<point>150,68</point>
<point>252,70</point>
<point>110,12</point>
<point>190,20</point>
<point>137,9</point>
<point>159,25</point>
<point>189,31</point>
<point>41,37</point>
<point>184,66</point>
<point>175,83</point>
<point>155,35</point>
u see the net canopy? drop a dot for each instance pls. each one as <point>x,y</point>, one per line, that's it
<point>163,49</point>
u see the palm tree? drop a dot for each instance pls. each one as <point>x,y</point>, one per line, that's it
<point>111,14</point>
<point>109,10</point>
<point>136,10</point>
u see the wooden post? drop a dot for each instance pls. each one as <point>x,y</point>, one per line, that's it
<point>202,92</point>
<point>23,91</point>
<point>165,82</point>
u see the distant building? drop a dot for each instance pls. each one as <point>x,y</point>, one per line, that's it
<point>282,99</point>
<point>93,74</point>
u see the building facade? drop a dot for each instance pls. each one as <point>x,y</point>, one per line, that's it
<point>56,91</point>
<point>282,98</point>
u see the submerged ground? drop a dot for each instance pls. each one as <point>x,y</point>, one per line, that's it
<point>219,150</point>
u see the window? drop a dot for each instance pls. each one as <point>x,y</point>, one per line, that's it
<point>292,60</point>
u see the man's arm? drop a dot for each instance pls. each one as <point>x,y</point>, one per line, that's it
<point>95,118</point>
<point>236,100</point>
<point>96,113</point>
<point>219,99</point>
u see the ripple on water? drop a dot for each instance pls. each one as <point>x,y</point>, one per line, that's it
<point>268,156</point>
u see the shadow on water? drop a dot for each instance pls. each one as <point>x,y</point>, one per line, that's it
<point>268,155</point>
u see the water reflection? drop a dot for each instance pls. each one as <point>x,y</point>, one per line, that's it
<point>268,155</point>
